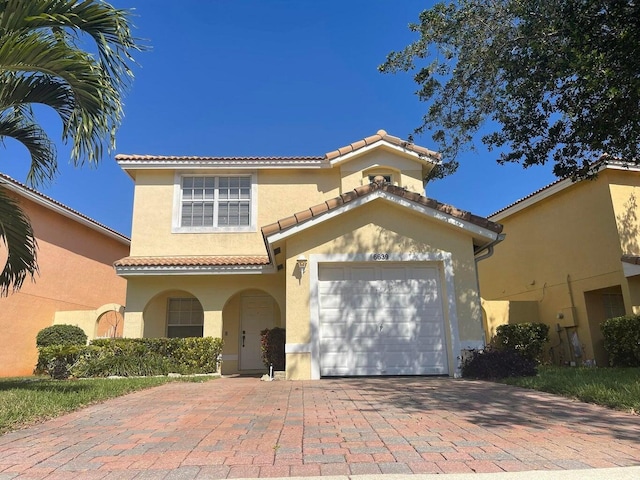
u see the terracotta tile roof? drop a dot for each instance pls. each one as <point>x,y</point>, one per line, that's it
<point>180,261</point>
<point>28,192</point>
<point>382,135</point>
<point>186,158</point>
<point>364,190</point>
<point>633,259</point>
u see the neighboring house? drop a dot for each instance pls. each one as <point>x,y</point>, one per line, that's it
<point>76,283</point>
<point>570,260</point>
<point>367,275</point>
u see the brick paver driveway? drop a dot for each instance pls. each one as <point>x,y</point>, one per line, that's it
<point>242,427</point>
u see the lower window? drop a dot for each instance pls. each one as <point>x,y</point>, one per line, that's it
<point>185,318</point>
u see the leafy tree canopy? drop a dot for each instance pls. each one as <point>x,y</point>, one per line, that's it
<point>559,79</point>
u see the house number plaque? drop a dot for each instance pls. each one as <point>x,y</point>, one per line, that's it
<point>379,256</point>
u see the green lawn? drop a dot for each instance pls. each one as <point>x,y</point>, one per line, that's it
<point>28,400</point>
<point>617,388</point>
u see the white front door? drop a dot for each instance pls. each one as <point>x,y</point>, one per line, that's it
<point>256,314</point>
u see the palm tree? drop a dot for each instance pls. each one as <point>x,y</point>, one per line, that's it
<point>44,60</point>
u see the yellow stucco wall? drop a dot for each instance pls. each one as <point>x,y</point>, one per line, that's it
<point>380,226</point>
<point>407,173</point>
<point>561,248</point>
<point>280,194</point>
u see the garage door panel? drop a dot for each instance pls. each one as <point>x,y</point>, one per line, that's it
<point>381,320</point>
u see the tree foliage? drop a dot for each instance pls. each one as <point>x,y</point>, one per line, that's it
<point>45,59</point>
<point>559,79</point>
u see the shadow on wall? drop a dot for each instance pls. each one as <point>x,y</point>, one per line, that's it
<point>628,229</point>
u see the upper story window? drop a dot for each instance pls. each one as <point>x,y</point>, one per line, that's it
<point>215,203</point>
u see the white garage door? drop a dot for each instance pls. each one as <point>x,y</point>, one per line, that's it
<point>381,319</point>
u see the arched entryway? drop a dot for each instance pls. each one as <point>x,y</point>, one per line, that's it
<point>173,313</point>
<point>109,321</point>
<point>244,316</point>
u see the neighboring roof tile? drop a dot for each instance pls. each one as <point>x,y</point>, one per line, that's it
<point>28,192</point>
<point>204,261</point>
<point>365,190</point>
<point>633,259</point>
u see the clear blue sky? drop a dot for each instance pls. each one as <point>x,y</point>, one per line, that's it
<point>276,77</point>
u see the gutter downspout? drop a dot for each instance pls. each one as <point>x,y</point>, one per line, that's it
<point>489,247</point>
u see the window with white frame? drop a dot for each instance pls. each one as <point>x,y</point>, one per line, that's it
<point>185,318</point>
<point>215,201</point>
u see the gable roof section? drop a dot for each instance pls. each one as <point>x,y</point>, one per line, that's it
<point>552,189</point>
<point>381,138</point>
<point>477,226</point>
<point>39,198</point>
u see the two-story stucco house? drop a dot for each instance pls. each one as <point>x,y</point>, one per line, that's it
<point>571,260</point>
<point>367,275</point>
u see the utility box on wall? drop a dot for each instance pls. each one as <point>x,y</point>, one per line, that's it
<point>566,317</point>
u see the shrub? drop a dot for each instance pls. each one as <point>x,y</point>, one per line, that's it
<point>528,339</point>
<point>622,340</point>
<point>127,357</point>
<point>149,356</point>
<point>272,344</point>
<point>61,335</point>
<point>492,364</point>
<point>58,360</point>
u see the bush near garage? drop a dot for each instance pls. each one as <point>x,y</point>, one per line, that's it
<point>492,363</point>
<point>528,339</point>
<point>129,357</point>
<point>622,340</point>
<point>272,341</point>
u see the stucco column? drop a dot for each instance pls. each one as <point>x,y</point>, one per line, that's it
<point>133,325</point>
<point>212,323</point>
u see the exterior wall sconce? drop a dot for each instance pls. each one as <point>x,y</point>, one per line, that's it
<point>301,261</point>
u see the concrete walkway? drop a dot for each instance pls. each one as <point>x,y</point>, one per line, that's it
<point>241,427</point>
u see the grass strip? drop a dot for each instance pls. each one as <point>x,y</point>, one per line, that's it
<point>28,400</point>
<point>617,388</point>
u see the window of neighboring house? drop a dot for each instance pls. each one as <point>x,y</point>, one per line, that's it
<point>185,318</point>
<point>613,305</point>
<point>216,202</point>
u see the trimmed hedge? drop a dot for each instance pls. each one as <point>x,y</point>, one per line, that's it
<point>132,357</point>
<point>622,340</point>
<point>61,335</point>
<point>272,344</point>
<point>528,339</point>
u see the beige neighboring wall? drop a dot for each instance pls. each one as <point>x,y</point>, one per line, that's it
<point>76,273</point>
<point>556,250</point>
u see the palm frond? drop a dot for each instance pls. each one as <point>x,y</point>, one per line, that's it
<point>17,236</point>
<point>97,106</point>
<point>109,27</point>
<point>19,125</point>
